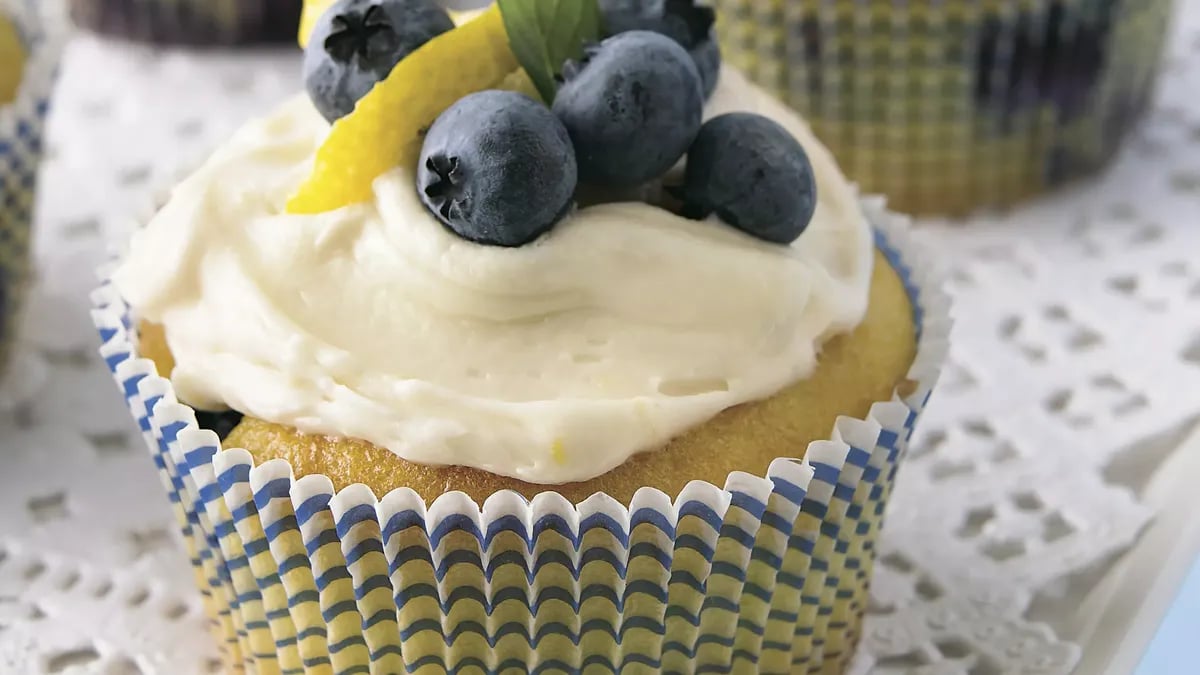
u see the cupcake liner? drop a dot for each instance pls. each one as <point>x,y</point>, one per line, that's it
<point>767,572</point>
<point>22,125</point>
<point>952,105</point>
<point>191,22</point>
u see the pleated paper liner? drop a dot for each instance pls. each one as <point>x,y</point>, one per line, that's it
<point>767,573</point>
<point>952,105</point>
<point>191,22</point>
<point>22,124</point>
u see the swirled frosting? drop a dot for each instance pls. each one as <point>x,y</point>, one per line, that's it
<point>550,363</point>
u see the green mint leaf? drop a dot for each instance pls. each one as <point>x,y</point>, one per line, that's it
<point>544,34</point>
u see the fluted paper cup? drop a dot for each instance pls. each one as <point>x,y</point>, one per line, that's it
<point>952,105</point>
<point>765,572</point>
<point>192,22</point>
<point>22,126</point>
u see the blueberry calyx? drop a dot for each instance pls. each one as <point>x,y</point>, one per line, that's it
<point>353,33</point>
<point>697,20</point>
<point>445,192</point>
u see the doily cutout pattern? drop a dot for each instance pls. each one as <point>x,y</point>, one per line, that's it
<point>1068,359</point>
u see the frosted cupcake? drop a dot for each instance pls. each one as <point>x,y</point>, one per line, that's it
<point>29,51</point>
<point>191,22</point>
<point>949,106</point>
<point>469,421</point>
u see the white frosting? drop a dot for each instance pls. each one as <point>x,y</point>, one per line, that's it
<point>551,363</point>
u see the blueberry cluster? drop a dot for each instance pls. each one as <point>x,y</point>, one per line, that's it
<point>500,169</point>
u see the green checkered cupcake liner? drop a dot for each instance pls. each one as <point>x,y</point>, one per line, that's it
<point>946,106</point>
<point>192,22</point>
<point>22,126</point>
<point>767,572</point>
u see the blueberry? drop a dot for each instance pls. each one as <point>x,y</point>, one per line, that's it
<point>357,43</point>
<point>220,423</point>
<point>753,174</point>
<point>498,168</point>
<point>621,16</point>
<point>681,20</point>
<point>707,56</point>
<point>632,107</point>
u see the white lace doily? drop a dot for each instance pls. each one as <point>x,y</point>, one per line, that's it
<point>1072,352</point>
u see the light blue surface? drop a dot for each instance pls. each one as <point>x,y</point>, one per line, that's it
<point>1176,648</point>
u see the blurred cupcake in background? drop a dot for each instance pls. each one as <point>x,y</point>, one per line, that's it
<point>29,51</point>
<point>191,22</point>
<point>950,106</point>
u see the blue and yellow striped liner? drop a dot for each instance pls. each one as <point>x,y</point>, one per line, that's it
<point>191,22</point>
<point>949,105</point>
<point>766,574</point>
<point>22,127</point>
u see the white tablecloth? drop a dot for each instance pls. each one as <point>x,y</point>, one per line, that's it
<point>1077,349</point>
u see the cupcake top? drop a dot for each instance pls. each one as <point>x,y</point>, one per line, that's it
<point>461,314</point>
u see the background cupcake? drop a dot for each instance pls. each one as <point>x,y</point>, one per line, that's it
<point>191,22</point>
<point>949,106</point>
<point>29,52</point>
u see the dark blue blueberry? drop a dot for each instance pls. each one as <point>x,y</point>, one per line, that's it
<point>753,174</point>
<point>632,107</point>
<point>220,423</point>
<point>498,168</point>
<point>707,56</point>
<point>681,20</point>
<point>357,43</point>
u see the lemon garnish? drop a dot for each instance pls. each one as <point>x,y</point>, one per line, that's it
<point>387,127</point>
<point>520,82</point>
<point>12,61</point>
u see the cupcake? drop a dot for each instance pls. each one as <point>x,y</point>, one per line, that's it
<point>420,404</point>
<point>949,106</point>
<point>191,22</point>
<point>29,51</point>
